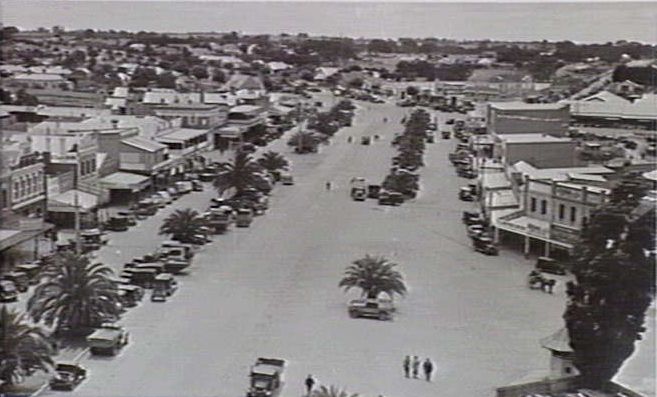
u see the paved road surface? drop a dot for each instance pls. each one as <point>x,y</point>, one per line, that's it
<point>271,290</point>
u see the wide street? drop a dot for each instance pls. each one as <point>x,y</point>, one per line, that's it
<point>271,290</point>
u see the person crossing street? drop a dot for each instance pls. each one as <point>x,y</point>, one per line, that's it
<point>310,382</point>
<point>427,366</point>
<point>416,366</point>
<point>407,366</point>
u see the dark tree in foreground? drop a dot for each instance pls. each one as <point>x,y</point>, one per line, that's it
<point>615,284</point>
<point>75,294</point>
<point>24,348</point>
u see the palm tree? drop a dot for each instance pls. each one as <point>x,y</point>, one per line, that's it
<point>183,225</point>
<point>332,391</point>
<point>273,162</point>
<point>305,141</point>
<point>373,275</point>
<point>239,175</point>
<point>24,348</point>
<point>75,295</point>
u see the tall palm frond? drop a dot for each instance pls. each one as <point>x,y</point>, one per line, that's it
<point>183,225</point>
<point>75,294</point>
<point>373,275</point>
<point>272,161</point>
<point>332,391</point>
<point>24,348</point>
<point>239,174</point>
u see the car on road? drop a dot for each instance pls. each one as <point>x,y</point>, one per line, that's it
<point>266,377</point>
<point>108,340</point>
<point>159,295</point>
<point>287,179</point>
<point>549,265</point>
<point>243,217</point>
<point>465,194</point>
<point>67,376</point>
<point>485,245</point>
<point>366,140</point>
<point>371,308</point>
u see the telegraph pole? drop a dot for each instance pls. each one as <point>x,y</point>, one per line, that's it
<point>76,199</point>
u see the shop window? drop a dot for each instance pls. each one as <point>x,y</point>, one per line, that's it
<point>533,204</point>
<point>573,214</point>
<point>16,191</point>
<point>562,211</point>
<point>543,207</point>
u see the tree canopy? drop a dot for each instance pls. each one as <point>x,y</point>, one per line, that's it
<point>615,283</point>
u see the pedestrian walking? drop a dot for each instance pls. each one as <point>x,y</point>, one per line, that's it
<point>407,366</point>
<point>349,139</point>
<point>416,366</point>
<point>310,382</point>
<point>328,185</point>
<point>427,366</point>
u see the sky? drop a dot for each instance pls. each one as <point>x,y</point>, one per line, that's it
<point>580,22</point>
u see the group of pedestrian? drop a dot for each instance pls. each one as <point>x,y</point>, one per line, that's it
<point>412,367</point>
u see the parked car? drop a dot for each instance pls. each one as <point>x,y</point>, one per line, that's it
<point>465,194</point>
<point>8,291</point>
<point>21,280</point>
<point>485,245</point>
<point>107,340</point>
<point>197,186</point>
<point>117,224</point>
<point>549,265</point>
<point>67,376</point>
<point>158,201</point>
<point>287,179</point>
<point>371,308</point>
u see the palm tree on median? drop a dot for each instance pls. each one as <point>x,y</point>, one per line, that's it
<point>24,348</point>
<point>273,162</point>
<point>183,225</point>
<point>332,391</point>
<point>76,295</point>
<point>373,275</point>
<point>239,174</point>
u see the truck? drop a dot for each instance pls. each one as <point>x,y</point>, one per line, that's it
<point>380,309</point>
<point>266,377</point>
<point>107,340</point>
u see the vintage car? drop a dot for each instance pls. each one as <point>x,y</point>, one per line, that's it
<point>67,376</point>
<point>380,309</point>
<point>549,265</point>
<point>485,245</point>
<point>266,377</point>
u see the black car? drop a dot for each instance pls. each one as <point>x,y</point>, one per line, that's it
<point>549,265</point>
<point>67,376</point>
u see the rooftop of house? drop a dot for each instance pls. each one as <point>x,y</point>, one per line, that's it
<point>499,76</point>
<point>527,106</point>
<point>181,134</point>
<point>558,174</point>
<point>530,138</point>
<point>144,144</point>
<point>39,77</point>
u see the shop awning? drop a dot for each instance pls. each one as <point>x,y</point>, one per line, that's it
<point>125,181</point>
<point>65,202</point>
